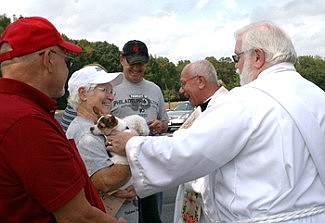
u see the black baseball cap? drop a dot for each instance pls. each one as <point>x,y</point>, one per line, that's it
<point>135,51</point>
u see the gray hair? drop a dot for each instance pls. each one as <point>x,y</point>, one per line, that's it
<point>205,69</point>
<point>271,39</point>
<point>5,47</point>
<point>74,99</point>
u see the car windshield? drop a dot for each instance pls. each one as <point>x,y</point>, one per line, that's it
<point>183,107</point>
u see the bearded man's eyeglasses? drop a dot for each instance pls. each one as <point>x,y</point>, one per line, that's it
<point>236,57</point>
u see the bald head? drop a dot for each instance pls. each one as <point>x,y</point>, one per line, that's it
<point>199,81</point>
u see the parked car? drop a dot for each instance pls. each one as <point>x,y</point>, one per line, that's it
<point>179,114</point>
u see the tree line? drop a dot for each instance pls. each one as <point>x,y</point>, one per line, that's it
<point>165,73</point>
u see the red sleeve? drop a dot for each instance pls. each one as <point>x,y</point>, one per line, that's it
<point>44,161</point>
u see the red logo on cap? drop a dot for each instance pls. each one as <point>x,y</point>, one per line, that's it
<point>135,48</point>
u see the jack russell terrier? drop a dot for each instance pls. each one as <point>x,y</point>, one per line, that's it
<point>107,123</point>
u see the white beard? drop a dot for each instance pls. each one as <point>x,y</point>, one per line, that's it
<point>246,76</point>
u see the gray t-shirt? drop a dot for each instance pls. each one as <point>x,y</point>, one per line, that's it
<point>144,98</point>
<point>93,152</point>
<point>91,147</point>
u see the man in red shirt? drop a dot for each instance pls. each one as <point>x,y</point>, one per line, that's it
<point>42,177</point>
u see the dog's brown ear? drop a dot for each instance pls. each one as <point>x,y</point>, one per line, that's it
<point>96,110</point>
<point>114,121</point>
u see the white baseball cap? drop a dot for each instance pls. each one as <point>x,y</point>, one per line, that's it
<point>93,75</point>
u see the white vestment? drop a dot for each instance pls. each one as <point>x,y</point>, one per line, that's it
<point>252,151</point>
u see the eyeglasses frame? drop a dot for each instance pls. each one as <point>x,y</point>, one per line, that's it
<point>236,56</point>
<point>107,91</point>
<point>191,78</point>
<point>68,59</point>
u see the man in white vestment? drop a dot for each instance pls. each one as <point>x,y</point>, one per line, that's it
<point>262,145</point>
<point>200,84</point>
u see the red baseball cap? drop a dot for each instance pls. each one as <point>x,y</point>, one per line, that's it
<point>30,34</point>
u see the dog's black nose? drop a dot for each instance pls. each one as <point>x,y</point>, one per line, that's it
<point>92,128</point>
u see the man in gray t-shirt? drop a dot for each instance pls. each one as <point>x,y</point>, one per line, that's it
<point>143,98</point>
<point>135,95</point>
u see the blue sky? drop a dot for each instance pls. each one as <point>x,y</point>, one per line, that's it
<point>178,30</point>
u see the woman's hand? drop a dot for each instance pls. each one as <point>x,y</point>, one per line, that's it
<point>129,193</point>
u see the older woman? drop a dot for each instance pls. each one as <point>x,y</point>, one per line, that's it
<point>92,87</point>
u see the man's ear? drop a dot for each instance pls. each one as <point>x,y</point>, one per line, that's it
<point>46,60</point>
<point>122,59</point>
<point>259,58</point>
<point>202,82</point>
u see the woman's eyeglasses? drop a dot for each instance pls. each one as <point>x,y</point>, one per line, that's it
<point>108,91</point>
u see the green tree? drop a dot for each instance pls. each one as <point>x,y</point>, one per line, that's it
<point>4,22</point>
<point>163,72</point>
<point>313,69</point>
<point>226,71</point>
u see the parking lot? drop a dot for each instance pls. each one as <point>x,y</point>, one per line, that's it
<point>168,205</point>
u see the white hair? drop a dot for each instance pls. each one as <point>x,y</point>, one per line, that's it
<point>205,69</point>
<point>74,99</point>
<point>271,39</point>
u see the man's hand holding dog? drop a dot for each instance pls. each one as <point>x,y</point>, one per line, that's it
<point>117,140</point>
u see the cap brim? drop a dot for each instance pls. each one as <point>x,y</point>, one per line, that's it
<point>133,59</point>
<point>70,47</point>
<point>112,78</point>
<point>117,80</point>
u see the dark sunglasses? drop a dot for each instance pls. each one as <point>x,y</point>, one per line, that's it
<point>236,57</point>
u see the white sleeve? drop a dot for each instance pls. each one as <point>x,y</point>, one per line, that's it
<point>216,137</point>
